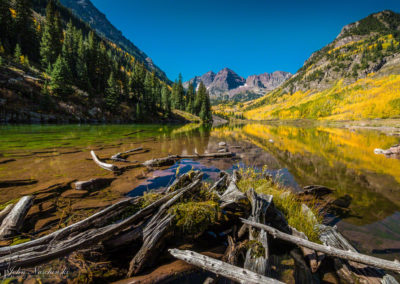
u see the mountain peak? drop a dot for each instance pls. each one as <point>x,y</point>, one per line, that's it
<point>382,22</point>
<point>227,84</point>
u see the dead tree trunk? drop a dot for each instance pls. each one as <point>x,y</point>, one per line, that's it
<point>15,219</point>
<point>232,195</point>
<point>257,259</point>
<point>328,250</point>
<point>218,267</point>
<point>155,231</point>
<point>349,271</point>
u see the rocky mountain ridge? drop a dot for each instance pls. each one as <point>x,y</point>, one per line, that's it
<point>228,85</point>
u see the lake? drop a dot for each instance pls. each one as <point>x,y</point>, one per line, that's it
<point>36,158</point>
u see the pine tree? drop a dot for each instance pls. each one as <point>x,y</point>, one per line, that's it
<point>112,93</point>
<point>190,94</point>
<point>5,24</point>
<point>202,103</point>
<point>24,28</point>
<point>201,91</point>
<point>17,54</point>
<point>81,65</point>
<point>148,92</point>
<point>180,95</point>
<point>69,51</point>
<point>52,37</point>
<point>57,83</point>
<point>166,99</point>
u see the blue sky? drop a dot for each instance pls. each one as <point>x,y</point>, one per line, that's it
<point>250,36</point>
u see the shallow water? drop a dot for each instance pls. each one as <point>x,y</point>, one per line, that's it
<point>367,184</point>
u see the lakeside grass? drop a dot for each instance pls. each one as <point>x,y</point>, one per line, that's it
<point>285,201</point>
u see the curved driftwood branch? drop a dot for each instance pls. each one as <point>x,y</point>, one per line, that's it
<point>349,255</point>
<point>108,167</point>
<point>218,267</point>
<point>14,220</point>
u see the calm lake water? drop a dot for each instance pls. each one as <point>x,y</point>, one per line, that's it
<point>367,185</point>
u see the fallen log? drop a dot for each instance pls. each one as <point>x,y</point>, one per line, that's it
<point>56,247</point>
<point>5,211</point>
<point>349,271</point>
<point>348,255</point>
<point>118,157</point>
<point>156,229</point>
<point>170,160</point>
<point>108,167</point>
<point>96,219</point>
<point>218,267</point>
<point>257,258</point>
<point>13,222</point>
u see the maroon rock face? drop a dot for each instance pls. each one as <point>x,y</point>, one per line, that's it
<point>227,84</point>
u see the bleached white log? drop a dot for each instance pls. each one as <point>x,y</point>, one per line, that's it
<point>218,267</point>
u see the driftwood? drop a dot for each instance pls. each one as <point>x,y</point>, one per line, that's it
<point>220,185</point>
<point>118,157</point>
<point>156,229</point>
<point>108,167</point>
<point>314,258</point>
<point>259,207</point>
<point>348,255</point>
<point>232,195</point>
<point>63,242</point>
<point>348,271</point>
<point>170,160</point>
<point>96,219</point>
<point>13,222</point>
<point>5,211</point>
<point>218,267</point>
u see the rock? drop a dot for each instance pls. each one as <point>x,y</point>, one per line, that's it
<point>93,184</point>
<point>316,190</point>
<point>392,152</point>
<point>223,150</point>
<point>222,144</point>
<point>73,193</point>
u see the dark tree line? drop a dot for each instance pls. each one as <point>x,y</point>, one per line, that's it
<point>73,56</point>
<point>195,102</point>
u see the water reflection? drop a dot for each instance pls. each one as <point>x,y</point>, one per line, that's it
<point>367,185</point>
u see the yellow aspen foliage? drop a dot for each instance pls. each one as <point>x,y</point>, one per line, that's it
<point>13,13</point>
